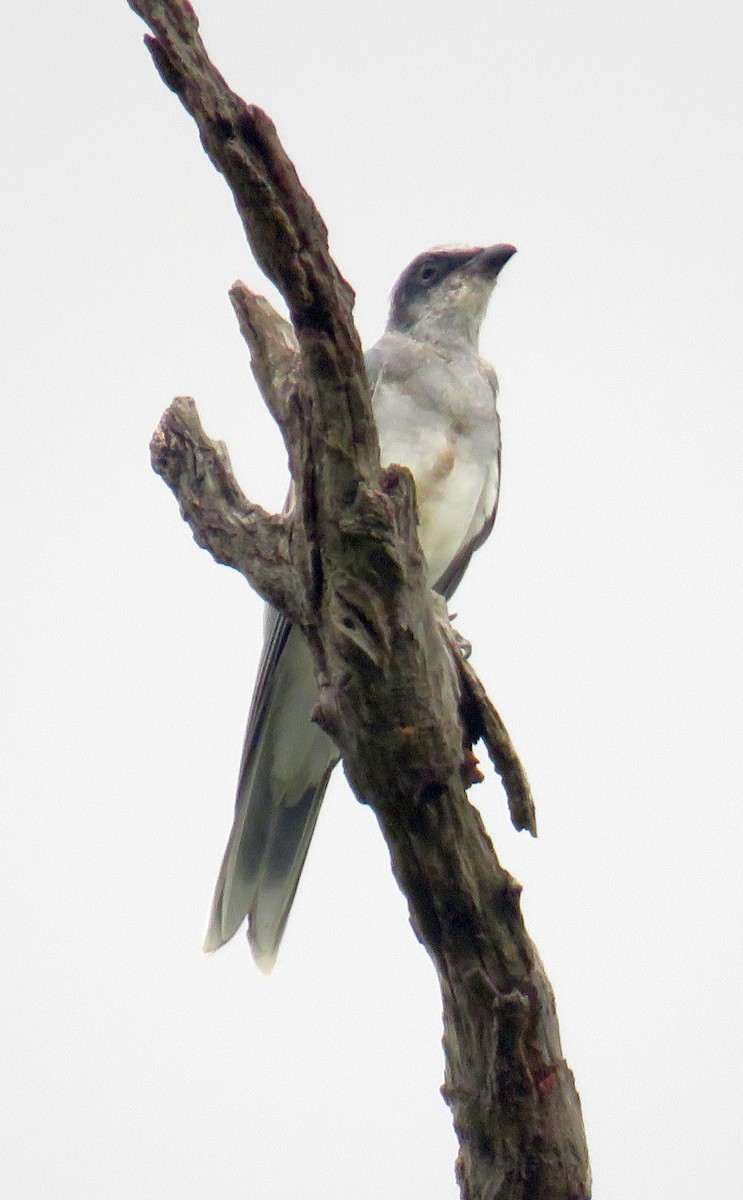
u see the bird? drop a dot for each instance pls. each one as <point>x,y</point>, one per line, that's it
<point>434,404</point>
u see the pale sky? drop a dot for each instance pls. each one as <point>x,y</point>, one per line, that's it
<point>604,141</point>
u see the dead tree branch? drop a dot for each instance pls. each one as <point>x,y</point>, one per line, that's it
<point>223,521</point>
<point>401,702</point>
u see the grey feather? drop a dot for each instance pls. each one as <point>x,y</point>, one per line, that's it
<point>434,404</point>
<point>285,767</point>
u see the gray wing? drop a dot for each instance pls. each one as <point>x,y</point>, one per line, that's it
<point>285,767</point>
<point>286,764</point>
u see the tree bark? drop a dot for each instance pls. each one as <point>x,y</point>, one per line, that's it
<point>396,691</point>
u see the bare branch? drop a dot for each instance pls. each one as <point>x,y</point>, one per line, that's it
<point>286,234</point>
<point>274,356</point>
<point>503,756</point>
<point>235,532</point>
<point>513,1099</point>
<point>481,721</point>
<point>390,688</point>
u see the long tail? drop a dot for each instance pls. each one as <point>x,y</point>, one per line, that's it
<point>286,764</point>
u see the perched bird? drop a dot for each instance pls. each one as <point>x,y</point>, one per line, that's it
<point>434,405</point>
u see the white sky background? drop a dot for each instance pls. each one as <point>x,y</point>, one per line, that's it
<point>604,141</point>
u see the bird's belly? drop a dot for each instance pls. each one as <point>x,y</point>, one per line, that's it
<point>448,484</point>
<point>445,513</point>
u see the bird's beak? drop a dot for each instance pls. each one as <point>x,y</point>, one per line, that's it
<point>490,261</point>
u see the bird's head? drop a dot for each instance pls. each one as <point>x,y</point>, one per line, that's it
<point>443,295</point>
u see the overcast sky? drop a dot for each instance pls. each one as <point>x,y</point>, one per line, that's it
<point>603,140</point>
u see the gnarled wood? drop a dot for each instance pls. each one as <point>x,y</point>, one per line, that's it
<point>347,566</point>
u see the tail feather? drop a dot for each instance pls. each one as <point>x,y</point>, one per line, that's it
<point>287,761</point>
<point>281,873</point>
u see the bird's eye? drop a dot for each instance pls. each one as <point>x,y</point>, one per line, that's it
<point>427,273</point>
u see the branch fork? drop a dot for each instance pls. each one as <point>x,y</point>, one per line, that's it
<point>396,690</point>
<point>263,546</point>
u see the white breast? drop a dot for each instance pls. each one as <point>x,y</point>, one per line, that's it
<point>449,483</point>
<point>435,414</point>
